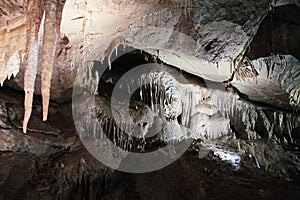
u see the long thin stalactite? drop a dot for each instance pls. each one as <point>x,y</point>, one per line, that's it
<point>48,53</point>
<point>43,30</point>
<point>33,28</point>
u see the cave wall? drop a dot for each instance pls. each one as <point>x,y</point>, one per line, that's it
<point>220,36</point>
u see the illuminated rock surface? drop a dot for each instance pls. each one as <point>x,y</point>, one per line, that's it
<point>226,74</point>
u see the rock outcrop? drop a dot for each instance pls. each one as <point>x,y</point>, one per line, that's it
<point>218,33</point>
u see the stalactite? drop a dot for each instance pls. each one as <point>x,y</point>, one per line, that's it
<point>42,36</point>
<point>11,67</point>
<point>48,53</point>
<point>245,69</point>
<point>34,31</point>
<point>207,113</point>
<point>163,91</point>
<point>113,46</point>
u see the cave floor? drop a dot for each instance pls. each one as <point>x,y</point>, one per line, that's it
<point>76,175</point>
<point>53,164</point>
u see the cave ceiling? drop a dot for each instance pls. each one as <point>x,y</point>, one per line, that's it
<point>44,43</point>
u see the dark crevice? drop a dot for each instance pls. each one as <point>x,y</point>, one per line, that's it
<point>119,67</point>
<point>279,33</point>
<point>108,83</point>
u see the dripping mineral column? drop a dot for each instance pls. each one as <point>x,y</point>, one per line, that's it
<point>34,28</point>
<point>48,53</point>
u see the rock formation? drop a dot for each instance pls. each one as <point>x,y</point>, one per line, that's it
<point>224,73</point>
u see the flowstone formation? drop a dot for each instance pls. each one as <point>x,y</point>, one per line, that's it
<point>206,111</point>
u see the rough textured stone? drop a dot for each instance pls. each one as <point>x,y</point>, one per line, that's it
<point>207,39</point>
<point>3,115</point>
<point>221,31</point>
<point>8,141</point>
<point>276,84</point>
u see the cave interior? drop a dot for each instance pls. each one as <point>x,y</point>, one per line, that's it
<point>146,77</point>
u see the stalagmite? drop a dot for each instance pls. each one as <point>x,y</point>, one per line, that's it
<point>34,31</point>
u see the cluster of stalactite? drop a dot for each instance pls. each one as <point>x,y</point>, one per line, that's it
<point>208,112</point>
<point>43,19</point>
